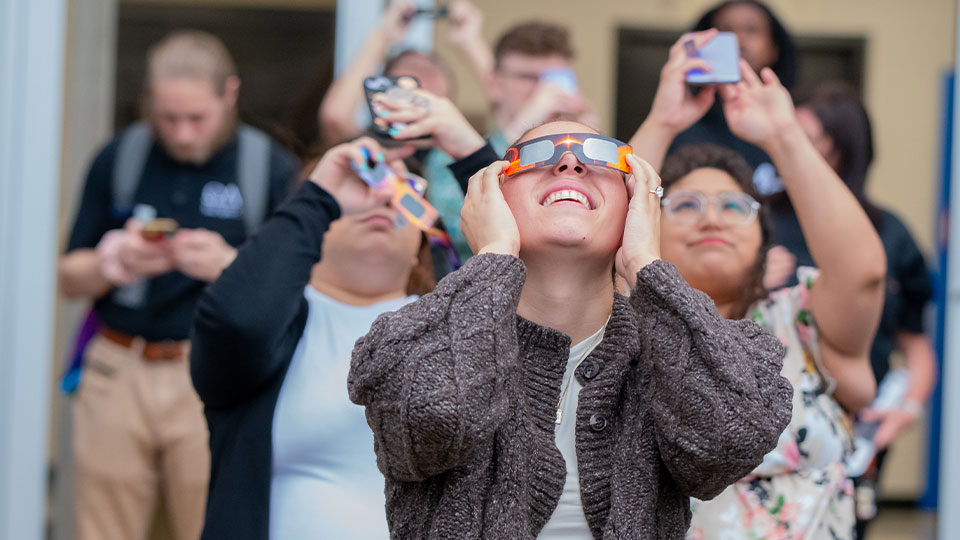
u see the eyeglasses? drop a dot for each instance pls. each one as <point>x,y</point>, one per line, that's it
<point>525,76</point>
<point>733,208</point>
<point>589,149</point>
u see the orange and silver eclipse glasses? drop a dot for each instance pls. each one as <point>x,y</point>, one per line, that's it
<point>589,149</point>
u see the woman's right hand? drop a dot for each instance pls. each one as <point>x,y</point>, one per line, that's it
<point>675,108</point>
<point>486,219</point>
<point>335,175</point>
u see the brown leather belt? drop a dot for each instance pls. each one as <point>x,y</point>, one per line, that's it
<point>152,350</point>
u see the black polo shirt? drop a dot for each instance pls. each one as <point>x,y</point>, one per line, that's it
<point>204,196</point>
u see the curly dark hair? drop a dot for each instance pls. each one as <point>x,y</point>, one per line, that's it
<point>687,159</point>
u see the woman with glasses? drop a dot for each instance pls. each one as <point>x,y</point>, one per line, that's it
<point>525,399</point>
<point>710,230</point>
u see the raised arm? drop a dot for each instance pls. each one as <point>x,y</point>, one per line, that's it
<point>345,95</point>
<point>675,108</point>
<point>465,34</point>
<point>252,315</point>
<point>848,295</point>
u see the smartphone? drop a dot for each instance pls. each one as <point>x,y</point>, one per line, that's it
<point>159,228</point>
<point>436,12</point>
<point>381,87</point>
<point>722,53</point>
<point>563,77</point>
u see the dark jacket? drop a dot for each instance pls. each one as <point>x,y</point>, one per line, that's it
<point>461,395</point>
<point>247,326</point>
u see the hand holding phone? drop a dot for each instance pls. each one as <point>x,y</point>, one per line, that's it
<point>563,77</point>
<point>398,89</point>
<point>157,229</point>
<point>722,53</point>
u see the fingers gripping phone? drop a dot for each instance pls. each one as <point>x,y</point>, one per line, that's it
<point>399,89</point>
<point>722,53</point>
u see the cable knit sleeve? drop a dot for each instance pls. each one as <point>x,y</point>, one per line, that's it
<point>429,373</point>
<point>718,401</point>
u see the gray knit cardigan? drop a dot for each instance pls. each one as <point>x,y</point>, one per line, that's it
<point>461,395</point>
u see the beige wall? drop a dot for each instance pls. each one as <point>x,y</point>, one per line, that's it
<point>909,45</point>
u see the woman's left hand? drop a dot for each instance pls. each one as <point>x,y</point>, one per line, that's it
<point>757,109</point>
<point>641,232</point>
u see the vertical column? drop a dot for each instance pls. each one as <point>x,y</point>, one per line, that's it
<point>356,18</point>
<point>949,518</point>
<point>32,37</point>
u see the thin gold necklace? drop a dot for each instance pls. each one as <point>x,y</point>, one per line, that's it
<point>580,360</point>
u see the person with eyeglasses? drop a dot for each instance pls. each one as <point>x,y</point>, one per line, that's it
<point>715,232</point>
<point>524,398</point>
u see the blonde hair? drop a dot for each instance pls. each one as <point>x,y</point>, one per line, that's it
<point>191,54</point>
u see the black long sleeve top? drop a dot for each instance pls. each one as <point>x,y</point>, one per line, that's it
<point>247,326</point>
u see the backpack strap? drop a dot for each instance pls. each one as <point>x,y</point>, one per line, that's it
<point>253,175</point>
<point>132,152</point>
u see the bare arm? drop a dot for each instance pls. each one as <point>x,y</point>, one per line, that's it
<point>345,95</point>
<point>80,276</point>
<point>674,108</point>
<point>466,36</point>
<point>847,298</point>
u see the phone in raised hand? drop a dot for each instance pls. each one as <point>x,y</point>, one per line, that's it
<point>722,53</point>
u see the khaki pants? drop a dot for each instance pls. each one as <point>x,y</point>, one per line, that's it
<point>138,428</point>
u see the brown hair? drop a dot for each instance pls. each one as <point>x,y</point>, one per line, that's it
<point>700,156</point>
<point>191,54</point>
<point>421,279</point>
<point>534,39</point>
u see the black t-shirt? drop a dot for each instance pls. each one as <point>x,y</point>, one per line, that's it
<point>204,196</point>
<point>908,281</point>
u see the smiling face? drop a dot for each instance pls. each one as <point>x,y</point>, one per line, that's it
<point>567,204</point>
<point>712,257</point>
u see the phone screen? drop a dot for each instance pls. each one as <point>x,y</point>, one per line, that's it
<point>723,54</point>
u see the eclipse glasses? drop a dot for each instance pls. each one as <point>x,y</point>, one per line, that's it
<point>408,192</point>
<point>588,148</point>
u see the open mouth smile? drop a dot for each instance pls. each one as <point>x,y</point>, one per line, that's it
<point>566,195</point>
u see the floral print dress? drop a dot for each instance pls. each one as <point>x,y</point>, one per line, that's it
<point>800,491</point>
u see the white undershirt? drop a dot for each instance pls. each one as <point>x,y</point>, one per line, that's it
<point>325,481</point>
<point>567,521</point>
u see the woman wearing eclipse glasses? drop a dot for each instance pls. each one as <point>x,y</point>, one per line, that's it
<point>710,230</point>
<point>525,398</point>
